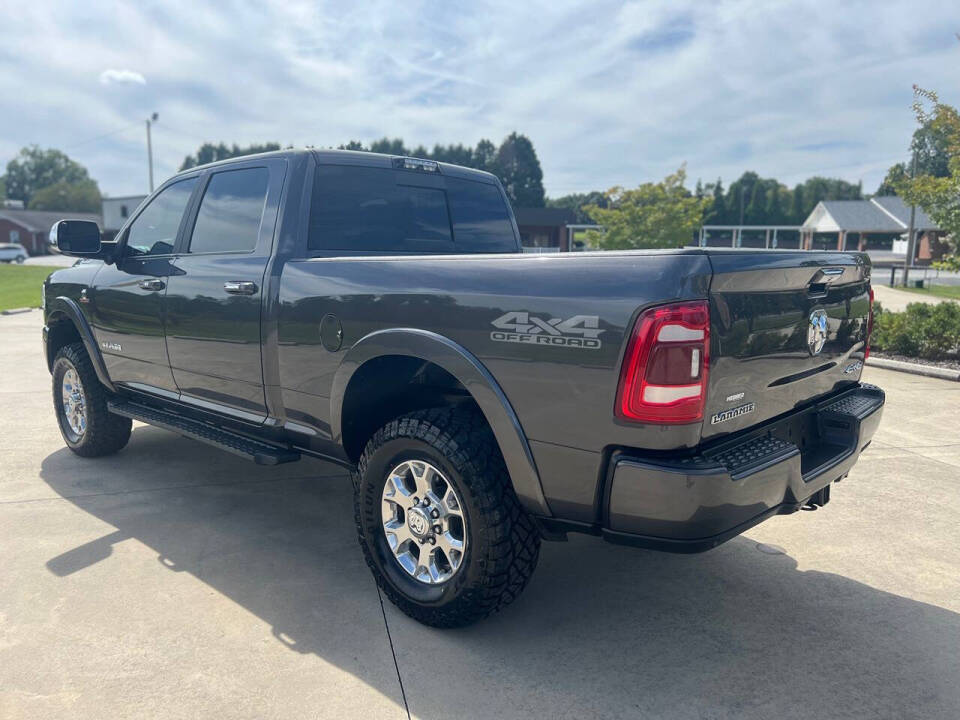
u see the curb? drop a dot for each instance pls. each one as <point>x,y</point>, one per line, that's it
<point>16,311</point>
<point>915,368</point>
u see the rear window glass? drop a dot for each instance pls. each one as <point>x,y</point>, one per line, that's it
<point>366,209</point>
<point>481,221</point>
<point>376,209</point>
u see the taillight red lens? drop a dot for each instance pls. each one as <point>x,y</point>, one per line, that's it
<point>664,373</point>
<point>866,350</point>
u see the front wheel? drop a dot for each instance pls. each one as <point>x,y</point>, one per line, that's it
<point>438,521</point>
<point>80,401</point>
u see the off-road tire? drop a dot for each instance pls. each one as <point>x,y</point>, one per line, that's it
<point>105,433</point>
<point>503,543</point>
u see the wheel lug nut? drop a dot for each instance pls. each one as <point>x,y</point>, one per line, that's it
<point>437,529</point>
<point>416,500</point>
<point>435,514</point>
<point>433,540</point>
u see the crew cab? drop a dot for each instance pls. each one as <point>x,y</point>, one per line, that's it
<point>378,312</point>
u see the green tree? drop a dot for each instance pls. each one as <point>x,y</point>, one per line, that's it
<point>756,213</point>
<point>895,175</point>
<point>3,189</point>
<point>778,199</point>
<point>578,202</point>
<point>352,145</point>
<point>797,204</point>
<point>518,168</point>
<point>208,153</point>
<point>83,196</point>
<point>819,188</point>
<point>484,155</point>
<point>35,168</point>
<point>654,215</point>
<point>386,146</point>
<point>717,212</point>
<point>454,154</point>
<point>939,196</point>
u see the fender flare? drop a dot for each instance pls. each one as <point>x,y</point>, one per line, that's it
<point>70,308</point>
<point>471,373</point>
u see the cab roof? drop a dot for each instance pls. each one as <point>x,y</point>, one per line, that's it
<point>350,157</point>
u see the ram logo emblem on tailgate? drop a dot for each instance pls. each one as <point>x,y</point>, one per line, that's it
<point>817,331</point>
<point>733,413</point>
<point>519,326</point>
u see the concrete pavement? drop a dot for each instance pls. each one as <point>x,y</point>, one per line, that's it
<point>897,300</point>
<point>175,581</point>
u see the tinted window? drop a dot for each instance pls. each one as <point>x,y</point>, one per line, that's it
<point>154,232</point>
<point>376,209</point>
<point>230,212</point>
<point>481,221</point>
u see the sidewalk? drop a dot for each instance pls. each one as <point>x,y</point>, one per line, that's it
<point>897,300</point>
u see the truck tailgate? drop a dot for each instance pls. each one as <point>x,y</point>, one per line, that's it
<point>786,328</point>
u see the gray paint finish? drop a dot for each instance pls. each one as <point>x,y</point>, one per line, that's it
<point>480,318</point>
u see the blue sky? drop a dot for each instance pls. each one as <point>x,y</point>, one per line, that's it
<point>610,93</point>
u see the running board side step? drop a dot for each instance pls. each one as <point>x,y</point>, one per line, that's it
<point>260,452</point>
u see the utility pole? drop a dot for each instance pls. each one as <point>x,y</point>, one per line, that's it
<point>152,118</point>
<point>910,228</point>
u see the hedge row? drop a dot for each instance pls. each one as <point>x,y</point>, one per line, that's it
<point>925,331</point>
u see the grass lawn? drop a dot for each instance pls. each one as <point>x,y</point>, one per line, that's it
<point>20,285</point>
<point>946,291</point>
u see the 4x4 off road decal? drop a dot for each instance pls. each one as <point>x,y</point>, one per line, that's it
<point>580,331</point>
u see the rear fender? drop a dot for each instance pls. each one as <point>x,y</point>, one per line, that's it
<point>470,372</point>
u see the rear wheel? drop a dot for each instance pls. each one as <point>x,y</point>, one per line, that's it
<point>80,402</point>
<point>438,521</point>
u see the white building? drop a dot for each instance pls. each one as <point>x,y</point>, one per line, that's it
<point>116,210</point>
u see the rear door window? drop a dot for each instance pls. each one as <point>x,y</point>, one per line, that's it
<point>231,211</point>
<point>481,220</point>
<point>376,209</point>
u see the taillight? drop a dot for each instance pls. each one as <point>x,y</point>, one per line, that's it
<point>866,350</point>
<point>664,373</point>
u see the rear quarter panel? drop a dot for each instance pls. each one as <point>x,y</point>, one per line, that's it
<point>562,395</point>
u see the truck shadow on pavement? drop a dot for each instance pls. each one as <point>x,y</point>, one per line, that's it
<point>601,630</point>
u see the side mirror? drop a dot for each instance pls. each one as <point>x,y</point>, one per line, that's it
<point>77,238</point>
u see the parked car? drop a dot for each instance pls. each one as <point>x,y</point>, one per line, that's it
<point>377,312</point>
<point>13,253</point>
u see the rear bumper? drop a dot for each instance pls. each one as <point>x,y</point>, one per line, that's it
<point>696,503</point>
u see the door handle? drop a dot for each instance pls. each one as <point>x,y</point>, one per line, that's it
<point>152,284</point>
<point>240,287</point>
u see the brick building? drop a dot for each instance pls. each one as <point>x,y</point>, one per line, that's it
<point>31,228</point>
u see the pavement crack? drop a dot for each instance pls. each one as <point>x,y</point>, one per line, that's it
<point>393,652</point>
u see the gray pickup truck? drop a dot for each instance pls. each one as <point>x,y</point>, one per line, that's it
<point>376,312</point>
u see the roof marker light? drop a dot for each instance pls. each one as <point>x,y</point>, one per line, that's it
<point>406,163</point>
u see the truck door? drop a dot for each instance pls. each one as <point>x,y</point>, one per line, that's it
<point>214,299</point>
<point>126,298</point>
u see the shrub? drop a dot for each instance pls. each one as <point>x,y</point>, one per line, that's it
<point>923,330</point>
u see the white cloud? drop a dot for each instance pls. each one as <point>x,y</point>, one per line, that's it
<point>113,75</point>
<point>609,92</point>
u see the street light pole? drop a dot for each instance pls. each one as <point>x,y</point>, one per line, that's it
<point>910,228</point>
<point>152,118</point>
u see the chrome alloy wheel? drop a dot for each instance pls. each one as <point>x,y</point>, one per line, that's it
<point>423,522</point>
<point>74,402</point>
